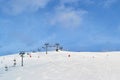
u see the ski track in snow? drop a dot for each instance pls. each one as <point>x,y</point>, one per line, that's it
<point>58,66</point>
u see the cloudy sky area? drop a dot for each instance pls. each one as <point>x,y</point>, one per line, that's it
<point>78,25</point>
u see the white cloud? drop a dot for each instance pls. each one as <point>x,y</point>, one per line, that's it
<point>104,3</point>
<point>61,15</point>
<point>67,17</point>
<point>69,1</point>
<point>76,1</point>
<point>108,3</point>
<point>19,6</point>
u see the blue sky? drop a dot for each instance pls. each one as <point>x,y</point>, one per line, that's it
<point>78,25</point>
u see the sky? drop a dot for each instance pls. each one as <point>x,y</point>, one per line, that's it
<point>77,25</point>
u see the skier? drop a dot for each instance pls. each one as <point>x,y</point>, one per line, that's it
<point>69,55</point>
<point>14,62</point>
<point>30,55</point>
<point>6,68</point>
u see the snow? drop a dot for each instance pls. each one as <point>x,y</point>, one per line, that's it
<point>58,66</point>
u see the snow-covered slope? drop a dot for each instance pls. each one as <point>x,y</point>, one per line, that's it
<point>58,66</point>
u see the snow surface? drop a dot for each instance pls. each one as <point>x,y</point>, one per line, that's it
<point>58,66</point>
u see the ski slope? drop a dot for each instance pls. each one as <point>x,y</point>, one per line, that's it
<point>58,66</point>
